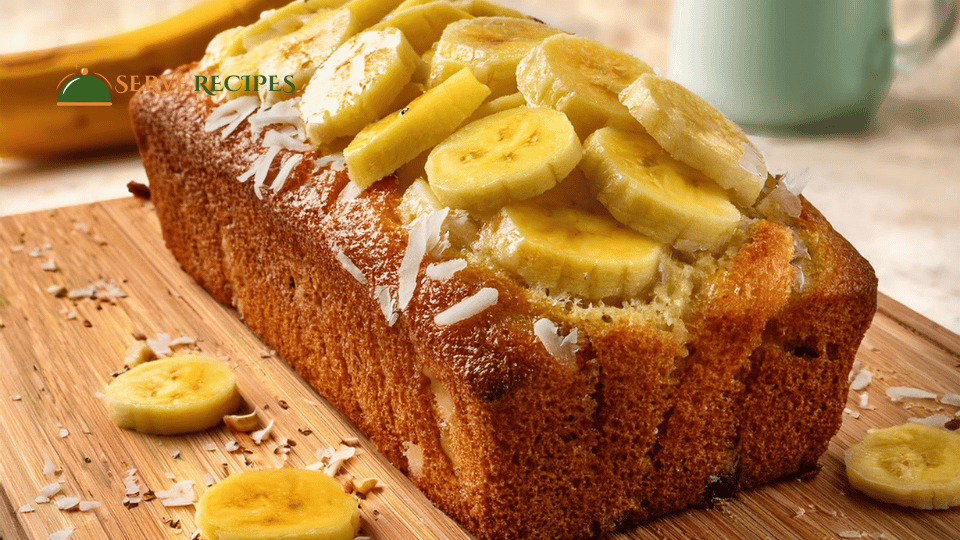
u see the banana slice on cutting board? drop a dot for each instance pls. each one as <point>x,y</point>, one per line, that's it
<point>292,504</point>
<point>581,78</point>
<point>356,84</point>
<point>911,465</point>
<point>382,147</point>
<point>696,133</point>
<point>571,250</point>
<point>181,394</point>
<point>656,195</point>
<point>508,156</point>
<point>490,46</point>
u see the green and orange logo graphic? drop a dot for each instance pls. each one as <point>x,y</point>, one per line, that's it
<point>84,90</point>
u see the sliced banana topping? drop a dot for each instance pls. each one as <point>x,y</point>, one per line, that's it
<point>581,78</point>
<point>356,84</point>
<point>424,23</point>
<point>509,156</point>
<point>909,465</point>
<point>181,394</point>
<point>656,195</point>
<point>299,54</point>
<point>490,46</point>
<point>381,148</point>
<point>696,133</point>
<point>278,503</point>
<point>571,250</point>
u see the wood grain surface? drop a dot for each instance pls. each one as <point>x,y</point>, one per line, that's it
<point>57,354</point>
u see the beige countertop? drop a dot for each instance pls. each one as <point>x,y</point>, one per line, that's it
<point>893,192</point>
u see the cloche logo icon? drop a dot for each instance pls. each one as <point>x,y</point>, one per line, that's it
<point>84,90</point>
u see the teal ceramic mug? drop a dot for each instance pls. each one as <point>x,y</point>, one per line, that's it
<point>796,65</point>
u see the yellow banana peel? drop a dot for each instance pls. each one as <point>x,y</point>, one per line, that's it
<point>33,125</point>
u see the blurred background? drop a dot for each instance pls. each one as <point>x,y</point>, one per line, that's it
<point>893,189</point>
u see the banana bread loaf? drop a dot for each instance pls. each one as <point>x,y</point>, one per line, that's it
<point>521,411</point>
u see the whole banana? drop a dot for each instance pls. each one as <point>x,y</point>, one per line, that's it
<point>31,123</point>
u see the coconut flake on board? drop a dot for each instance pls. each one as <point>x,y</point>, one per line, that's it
<point>445,270</point>
<point>337,459</point>
<point>259,435</point>
<point>951,399</point>
<point>179,494</point>
<point>899,393</point>
<point>468,307</point>
<point>935,420</point>
<point>62,534</point>
<point>561,347</point>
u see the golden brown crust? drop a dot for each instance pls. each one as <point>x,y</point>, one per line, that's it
<point>645,422</point>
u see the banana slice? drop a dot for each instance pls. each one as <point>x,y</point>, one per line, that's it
<point>496,105</point>
<point>509,156</point>
<point>356,84</point>
<point>649,191</point>
<point>477,8</point>
<point>581,78</point>
<point>272,24</point>
<point>301,52</point>
<point>423,24</point>
<point>696,133</point>
<point>381,148</point>
<point>180,394</point>
<point>490,46</point>
<point>570,250</point>
<point>370,12</point>
<point>911,465</point>
<point>292,504</point>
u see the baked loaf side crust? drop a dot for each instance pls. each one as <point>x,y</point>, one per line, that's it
<point>516,443</point>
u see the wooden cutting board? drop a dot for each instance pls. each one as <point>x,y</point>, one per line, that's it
<point>56,354</point>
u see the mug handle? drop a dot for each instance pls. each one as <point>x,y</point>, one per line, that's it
<point>919,50</point>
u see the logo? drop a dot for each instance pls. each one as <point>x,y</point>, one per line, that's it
<point>84,90</point>
<point>94,90</point>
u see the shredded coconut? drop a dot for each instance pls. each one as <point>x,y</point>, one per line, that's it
<point>348,265</point>
<point>849,534</point>
<point>230,114</point>
<point>49,467</point>
<point>68,503</point>
<point>935,420</point>
<point>62,534</point>
<point>445,270</point>
<point>284,172</point>
<point>468,307</point>
<point>264,169</point>
<point>26,508</point>
<point>160,345</point>
<point>86,506</point>
<point>342,454</point>
<point>179,494</point>
<point>851,412</point>
<point>899,393</point>
<point>183,341</point>
<point>50,265</point>
<point>259,435</point>
<point>387,304</point>
<point>410,265</point>
<point>336,162</point>
<point>50,489</point>
<point>562,348</point>
<point>861,380</point>
<point>285,141</point>
<point>283,112</point>
<point>951,399</point>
